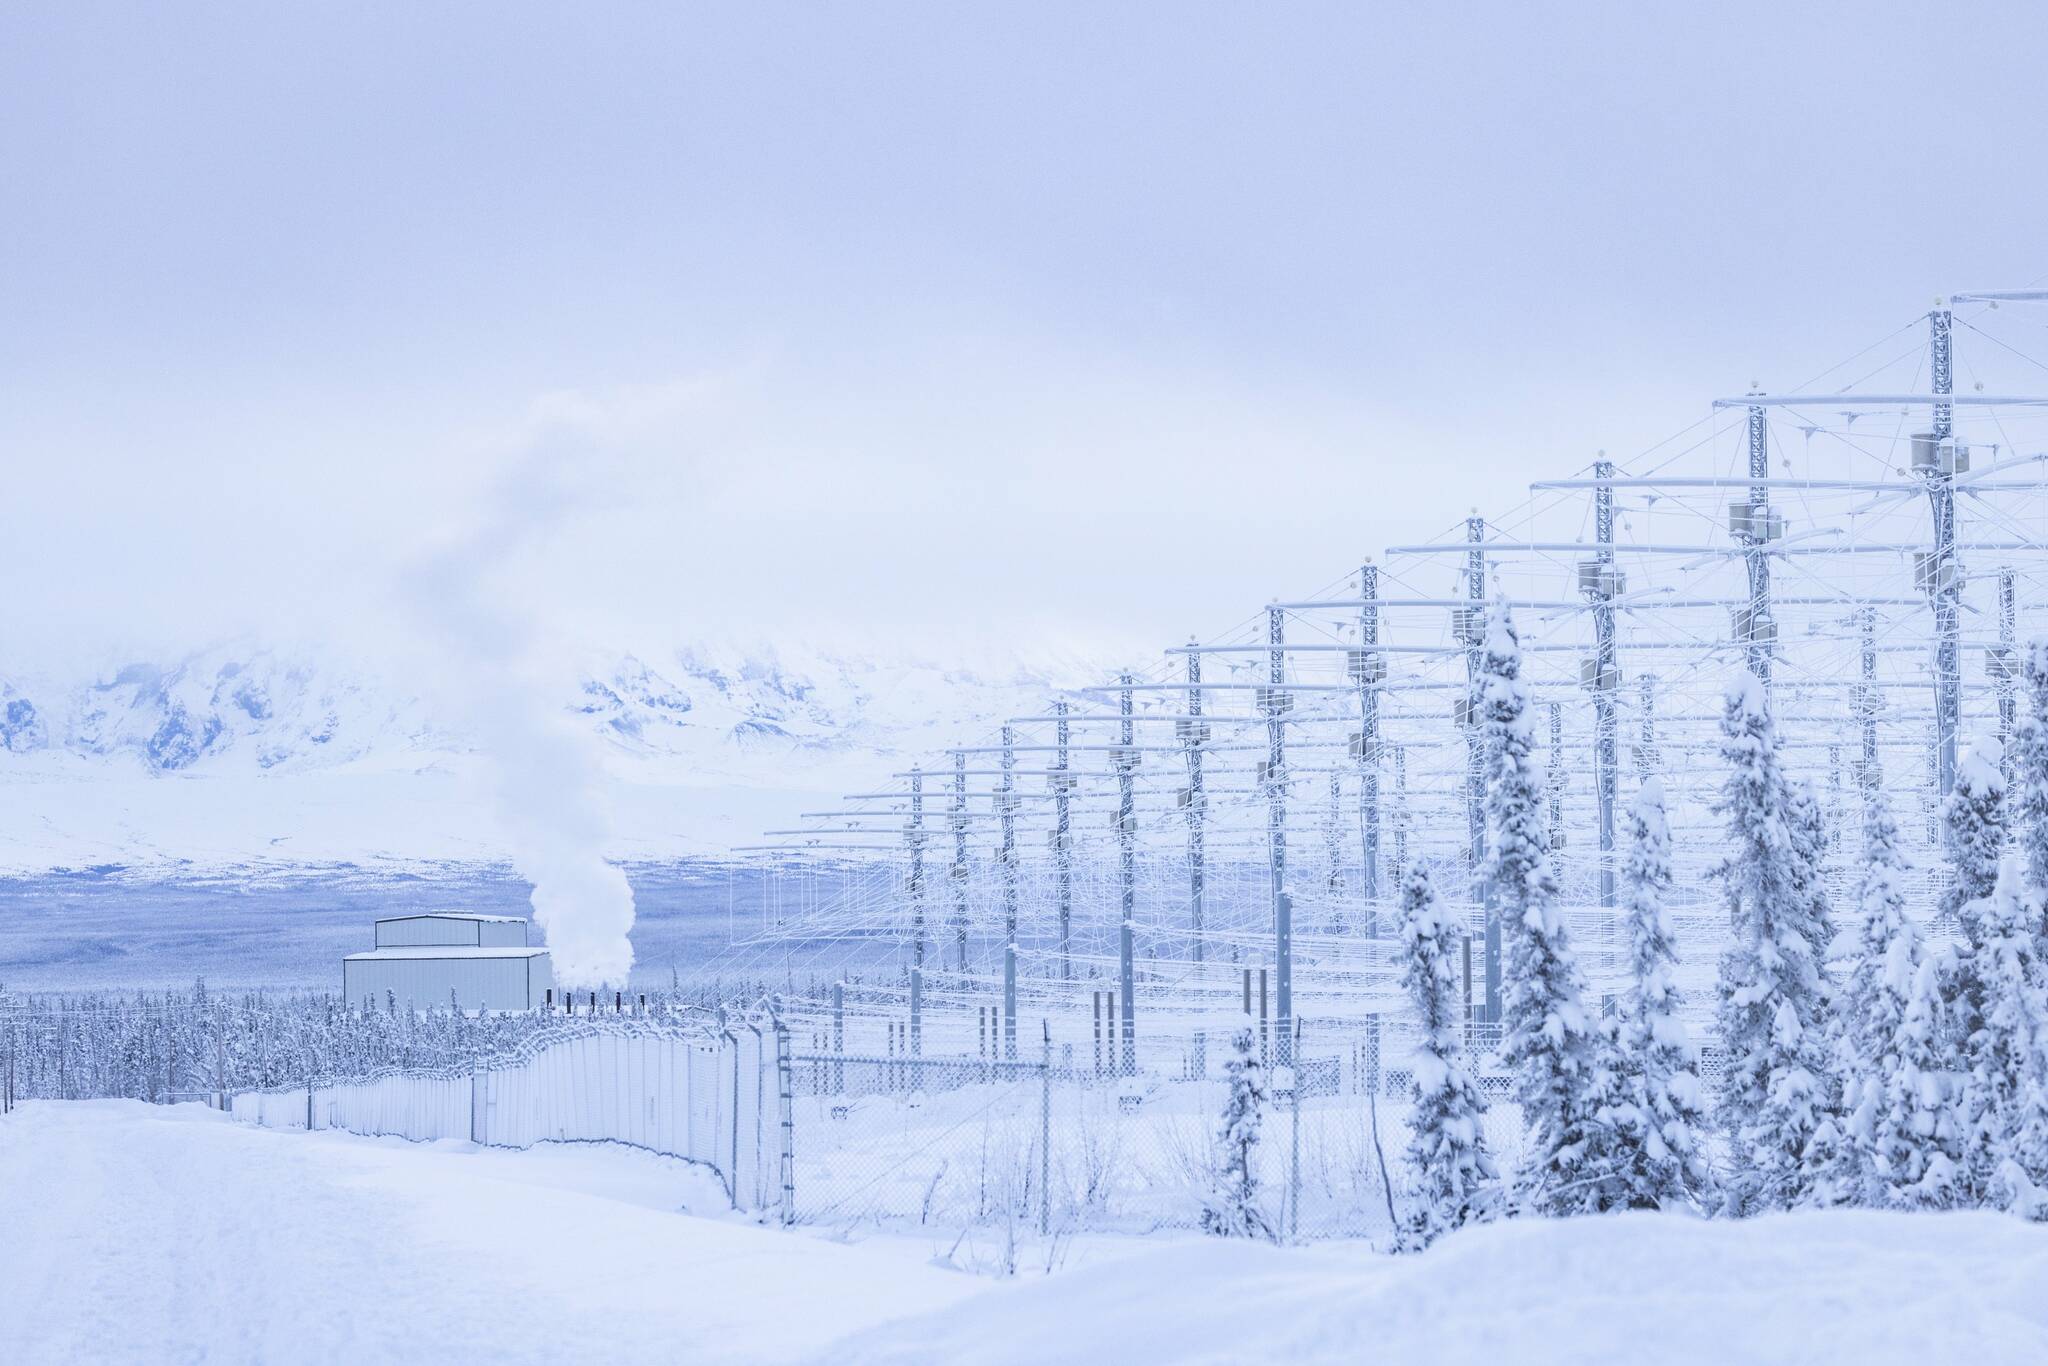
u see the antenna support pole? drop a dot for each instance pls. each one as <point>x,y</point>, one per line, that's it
<point>1369,740</point>
<point>1944,577</point>
<point>1194,733</point>
<point>1126,760</point>
<point>1277,700</point>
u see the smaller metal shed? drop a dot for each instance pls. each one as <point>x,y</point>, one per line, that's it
<point>454,928</point>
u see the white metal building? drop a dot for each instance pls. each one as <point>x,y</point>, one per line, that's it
<point>452,927</point>
<point>479,962</point>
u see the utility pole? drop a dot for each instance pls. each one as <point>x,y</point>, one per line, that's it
<point>1400,818</point>
<point>1194,733</point>
<point>1556,774</point>
<point>2004,668</point>
<point>913,837</point>
<point>1648,759</point>
<point>1126,761</point>
<point>1605,587</point>
<point>1369,671</point>
<point>1333,852</point>
<point>1006,801</point>
<point>1277,703</point>
<point>1754,525</point>
<point>960,857</point>
<point>1062,782</point>
<point>1472,631</point>
<point>1943,578</point>
<point>1869,702</point>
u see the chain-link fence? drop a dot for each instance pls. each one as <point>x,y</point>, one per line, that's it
<point>947,1142</point>
<point>1057,1140</point>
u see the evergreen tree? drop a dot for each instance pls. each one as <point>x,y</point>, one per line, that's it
<point>1454,1179</point>
<point>1806,821</point>
<point>2003,1110</point>
<point>1913,1132</point>
<point>1562,1059</point>
<point>1663,1141</point>
<point>1974,815</point>
<point>2030,769</point>
<point>1900,1144</point>
<point>1772,1013</point>
<point>1233,1208</point>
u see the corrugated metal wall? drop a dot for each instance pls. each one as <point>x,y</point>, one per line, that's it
<point>426,929</point>
<point>420,983</point>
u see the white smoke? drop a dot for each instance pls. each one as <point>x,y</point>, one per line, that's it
<point>504,681</point>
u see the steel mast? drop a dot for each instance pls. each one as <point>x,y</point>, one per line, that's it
<point>1368,670</point>
<point>1943,577</point>
<point>1194,733</point>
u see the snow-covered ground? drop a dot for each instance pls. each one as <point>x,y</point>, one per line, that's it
<point>144,1234</point>
<point>141,1234</point>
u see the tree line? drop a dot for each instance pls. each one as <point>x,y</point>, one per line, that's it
<point>1868,1067</point>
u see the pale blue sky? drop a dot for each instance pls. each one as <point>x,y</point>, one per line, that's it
<point>858,309</point>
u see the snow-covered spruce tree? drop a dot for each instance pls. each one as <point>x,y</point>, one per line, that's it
<point>2003,1109</point>
<point>2030,769</point>
<point>1806,820</point>
<point>1772,1011</point>
<point>1872,1004</point>
<point>1663,1141</point>
<point>1899,1138</point>
<point>1974,816</point>
<point>1233,1206</point>
<point>1562,1058</point>
<point>1914,1135</point>
<point>1454,1181</point>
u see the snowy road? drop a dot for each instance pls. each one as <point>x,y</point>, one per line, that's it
<point>132,1233</point>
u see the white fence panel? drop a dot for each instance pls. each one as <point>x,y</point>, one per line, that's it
<point>417,1107</point>
<point>707,1098</point>
<point>271,1109</point>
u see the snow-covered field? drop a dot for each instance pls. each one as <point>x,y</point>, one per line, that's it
<point>136,1233</point>
<point>148,1234</point>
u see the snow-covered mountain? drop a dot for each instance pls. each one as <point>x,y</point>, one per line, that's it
<point>244,752</point>
<point>225,711</point>
<point>215,709</point>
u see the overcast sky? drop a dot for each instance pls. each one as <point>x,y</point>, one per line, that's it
<point>950,327</point>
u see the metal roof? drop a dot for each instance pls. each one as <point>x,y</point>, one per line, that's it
<point>397,951</point>
<point>453,915</point>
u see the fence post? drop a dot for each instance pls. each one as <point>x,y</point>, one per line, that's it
<point>1265,1025</point>
<point>1045,1134</point>
<point>309,1107</point>
<point>1095,1003</point>
<point>1294,1152</point>
<point>1283,971</point>
<point>760,1104</point>
<point>839,1038</point>
<point>916,1016</point>
<point>787,1104</point>
<point>1469,1018</point>
<point>733,1167</point>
